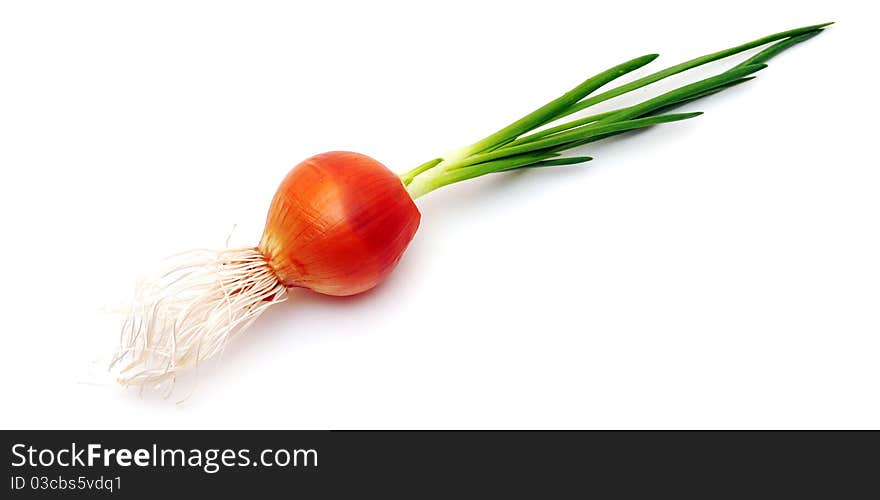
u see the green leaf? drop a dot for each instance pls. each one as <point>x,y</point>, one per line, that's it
<point>409,176</point>
<point>489,167</point>
<point>571,160</point>
<point>777,48</point>
<point>693,63</point>
<point>684,92</point>
<point>576,134</point>
<point>700,95</point>
<point>551,110</point>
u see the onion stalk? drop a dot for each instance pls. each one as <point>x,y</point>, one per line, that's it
<point>513,147</point>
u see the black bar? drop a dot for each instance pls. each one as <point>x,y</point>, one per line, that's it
<point>415,464</point>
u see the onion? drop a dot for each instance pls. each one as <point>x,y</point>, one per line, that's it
<point>341,221</point>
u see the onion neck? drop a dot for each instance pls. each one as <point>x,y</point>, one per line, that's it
<point>428,176</point>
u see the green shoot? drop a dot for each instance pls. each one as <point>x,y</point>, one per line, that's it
<point>519,145</point>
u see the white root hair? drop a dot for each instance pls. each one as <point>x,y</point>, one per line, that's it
<point>188,312</point>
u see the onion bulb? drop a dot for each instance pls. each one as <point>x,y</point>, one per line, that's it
<point>338,224</point>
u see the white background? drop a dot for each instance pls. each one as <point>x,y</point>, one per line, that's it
<point>722,272</point>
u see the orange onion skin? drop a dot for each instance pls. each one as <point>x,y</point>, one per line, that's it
<point>338,224</point>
